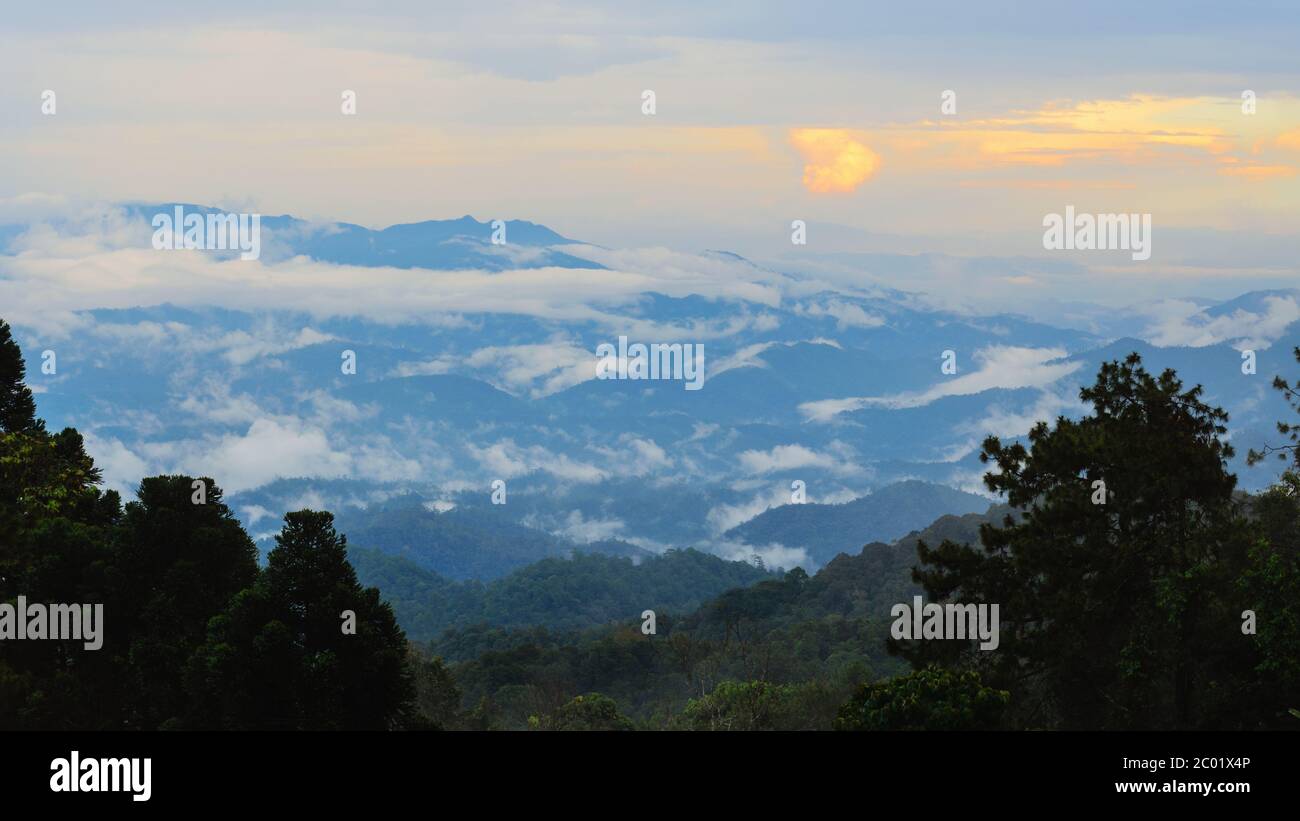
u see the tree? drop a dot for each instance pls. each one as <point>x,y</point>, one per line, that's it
<point>1272,582</point>
<point>17,407</point>
<point>744,705</point>
<point>193,633</point>
<point>1270,590</point>
<point>592,711</point>
<point>56,545</point>
<point>1290,430</point>
<point>178,565</point>
<point>1116,599</point>
<point>437,697</point>
<point>928,699</point>
<point>280,656</point>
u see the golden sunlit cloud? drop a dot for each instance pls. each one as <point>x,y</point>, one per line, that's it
<point>834,160</point>
<point>1290,139</point>
<point>1050,185</point>
<point>1137,131</point>
<point>1258,172</point>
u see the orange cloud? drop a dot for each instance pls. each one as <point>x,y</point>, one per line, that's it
<point>1050,185</point>
<point>1127,132</point>
<point>1290,139</point>
<point>1259,172</point>
<point>834,160</point>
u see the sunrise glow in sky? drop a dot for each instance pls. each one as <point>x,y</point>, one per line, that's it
<point>826,112</point>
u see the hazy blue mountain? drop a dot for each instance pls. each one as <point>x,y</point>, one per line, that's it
<point>442,409</point>
<point>464,543</point>
<point>887,514</point>
<point>435,244</point>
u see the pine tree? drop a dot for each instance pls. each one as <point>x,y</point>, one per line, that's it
<point>17,407</point>
<point>280,656</point>
<point>1115,589</point>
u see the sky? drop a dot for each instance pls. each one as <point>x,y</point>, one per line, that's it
<point>921,146</point>
<point>764,113</point>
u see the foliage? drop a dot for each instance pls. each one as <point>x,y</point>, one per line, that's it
<point>582,591</point>
<point>762,705</point>
<point>1122,614</point>
<point>799,630</point>
<point>17,407</point>
<point>592,711</point>
<point>194,633</point>
<point>278,655</point>
<point>1117,613</point>
<point>437,696</point>
<point>928,699</point>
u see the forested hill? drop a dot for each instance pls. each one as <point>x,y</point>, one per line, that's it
<point>864,585</point>
<point>464,543</point>
<point>825,531</point>
<point>783,653</point>
<point>592,590</point>
<point>587,590</point>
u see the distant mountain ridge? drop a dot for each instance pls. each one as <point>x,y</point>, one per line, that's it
<point>885,515</point>
<point>830,626</point>
<point>463,543</point>
<point>840,388</point>
<point>582,591</point>
<point>448,244</point>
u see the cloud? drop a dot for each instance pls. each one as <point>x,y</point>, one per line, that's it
<point>1290,140</point>
<point>83,266</point>
<point>774,555</point>
<point>1183,323</point>
<point>746,357</point>
<point>637,456</point>
<point>702,430</point>
<point>845,314</point>
<point>516,368</point>
<point>998,366</point>
<point>582,530</point>
<point>726,516</point>
<point>749,356</point>
<point>784,457</point>
<point>1259,172</point>
<point>1002,421</point>
<point>432,367</point>
<point>242,347</point>
<point>329,410</point>
<point>212,402</point>
<point>502,460</point>
<point>505,460</point>
<point>469,111</point>
<point>166,340</point>
<point>1125,130</point>
<point>269,448</point>
<point>835,162</point>
<point>122,468</point>
<point>255,514</point>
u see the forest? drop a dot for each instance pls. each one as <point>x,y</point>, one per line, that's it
<point>1138,589</point>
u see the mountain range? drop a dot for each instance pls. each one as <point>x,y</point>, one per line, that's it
<point>474,377</point>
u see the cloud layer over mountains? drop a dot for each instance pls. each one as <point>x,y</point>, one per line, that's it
<point>476,362</point>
